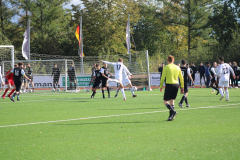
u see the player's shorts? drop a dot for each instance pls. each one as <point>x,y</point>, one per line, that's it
<point>126,81</point>
<point>55,79</point>
<point>223,84</point>
<point>213,80</point>
<point>72,79</point>
<point>186,87</point>
<point>96,84</point>
<point>18,86</point>
<point>104,82</point>
<point>9,81</point>
<point>171,91</point>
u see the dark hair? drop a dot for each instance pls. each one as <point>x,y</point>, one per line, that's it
<point>120,60</point>
<point>20,63</point>
<point>207,63</point>
<point>183,62</point>
<point>221,58</point>
<point>97,64</point>
<point>15,65</point>
<point>170,58</point>
<point>192,62</point>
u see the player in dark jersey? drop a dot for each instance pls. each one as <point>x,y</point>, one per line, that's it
<point>9,82</point>
<point>213,77</point>
<point>105,72</point>
<point>93,70</point>
<point>18,74</point>
<point>97,77</point>
<point>194,71</point>
<point>29,74</point>
<point>56,76</point>
<point>72,77</point>
<point>235,68</point>
<point>186,74</point>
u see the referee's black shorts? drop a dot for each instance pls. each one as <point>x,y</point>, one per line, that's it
<point>171,91</point>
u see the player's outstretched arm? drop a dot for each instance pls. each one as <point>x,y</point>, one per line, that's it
<point>111,63</point>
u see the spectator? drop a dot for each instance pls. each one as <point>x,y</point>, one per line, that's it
<point>194,71</point>
<point>207,74</point>
<point>231,76</point>
<point>235,68</point>
<point>160,69</point>
<point>201,70</point>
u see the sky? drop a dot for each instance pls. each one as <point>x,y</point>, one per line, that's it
<point>74,2</point>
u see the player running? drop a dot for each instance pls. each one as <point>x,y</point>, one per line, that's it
<point>18,73</point>
<point>126,82</point>
<point>56,76</point>
<point>186,75</point>
<point>118,69</point>
<point>29,73</point>
<point>224,73</point>
<point>97,76</point>
<point>214,78</point>
<point>72,77</point>
<point>105,72</point>
<point>10,82</point>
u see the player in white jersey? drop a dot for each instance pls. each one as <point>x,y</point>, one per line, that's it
<point>224,74</point>
<point>126,82</point>
<point>118,69</point>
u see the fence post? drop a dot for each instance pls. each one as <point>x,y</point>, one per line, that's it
<point>66,75</point>
<point>148,71</point>
<point>3,74</point>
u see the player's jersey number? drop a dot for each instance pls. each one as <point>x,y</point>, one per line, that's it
<point>16,73</point>
<point>225,70</point>
<point>118,66</point>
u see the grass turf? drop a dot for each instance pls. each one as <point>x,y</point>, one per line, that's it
<point>115,129</point>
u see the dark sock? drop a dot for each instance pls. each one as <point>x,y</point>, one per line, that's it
<point>14,94</point>
<point>54,86</point>
<point>169,107</point>
<point>216,85</point>
<point>172,106</point>
<point>108,91</point>
<point>58,86</point>
<point>183,98</point>
<point>93,94</point>
<point>70,85</point>
<point>103,93</point>
<point>75,86</point>
<point>186,100</point>
<point>215,88</point>
<point>18,95</point>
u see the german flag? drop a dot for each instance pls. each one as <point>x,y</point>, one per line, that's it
<point>78,36</point>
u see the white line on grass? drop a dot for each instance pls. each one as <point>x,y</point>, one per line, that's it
<point>108,116</point>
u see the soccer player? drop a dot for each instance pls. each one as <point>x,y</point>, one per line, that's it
<point>10,82</point>
<point>194,69</point>
<point>18,73</point>
<point>201,70</point>
<point>126,82</point>
<point>118,69</point>
<point>93,70</point>
<point>235,68</point>
<point>207,74</point>
<point>29,74</point>
<point>105,72</point>
<point>214,78</point>
<point>56,76</point>
<point>72,77</point>
<point>186,74</point>
<point>224,73</point>
<point>171,72</point>
<point>97,76</point>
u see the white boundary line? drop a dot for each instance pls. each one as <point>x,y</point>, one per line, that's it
<point>130,114</point>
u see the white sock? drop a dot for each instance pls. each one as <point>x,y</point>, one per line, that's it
<point>221,91</point>
<point>131,89</point>
<point>117,91</point>
<point>227,94</point>
<point>213,90</point>
<point>123,93</point>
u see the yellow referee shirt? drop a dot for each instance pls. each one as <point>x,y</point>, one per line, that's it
<point>171,72</point>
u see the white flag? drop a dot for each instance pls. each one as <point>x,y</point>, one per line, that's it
<point>128,36</point>
<point>25,46</point>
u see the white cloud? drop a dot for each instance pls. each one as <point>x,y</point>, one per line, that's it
<point>74,2</point>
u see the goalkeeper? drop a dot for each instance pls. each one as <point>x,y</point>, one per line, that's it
<point>72,77</point>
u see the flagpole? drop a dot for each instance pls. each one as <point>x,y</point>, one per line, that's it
<point>28,30</point>
<point>81,43</point>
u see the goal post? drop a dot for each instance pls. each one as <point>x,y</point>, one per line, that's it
<point>12,52</point>
<point>42,72</point>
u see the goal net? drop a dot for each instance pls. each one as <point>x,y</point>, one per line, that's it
<point>43,73</point>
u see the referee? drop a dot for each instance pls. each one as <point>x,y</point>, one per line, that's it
<point>171,72</point>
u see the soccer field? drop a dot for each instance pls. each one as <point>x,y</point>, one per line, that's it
<point>74,126</point>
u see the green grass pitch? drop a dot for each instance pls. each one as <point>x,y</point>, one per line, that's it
<point>74,126</point>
